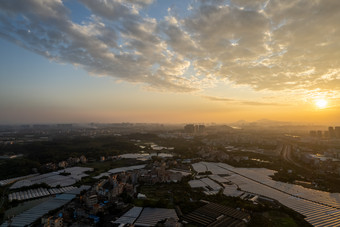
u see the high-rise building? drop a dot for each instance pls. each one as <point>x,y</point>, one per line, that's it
<point>312,133</point>
<point>196,128</point>
<point>190,128</point>
<point>337,131</point>
<point>331,132</point>
<point>201,128</point>
<point>319,133</point>
<point>326,134</point>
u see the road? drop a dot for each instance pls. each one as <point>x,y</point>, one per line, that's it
<point>286,154</point>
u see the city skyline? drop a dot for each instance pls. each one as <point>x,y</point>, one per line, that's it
<point>169,61</point>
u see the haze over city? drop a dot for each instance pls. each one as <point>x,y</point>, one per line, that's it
<point>169,61</point>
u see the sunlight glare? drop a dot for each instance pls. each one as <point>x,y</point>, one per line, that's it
<point>321,103</point>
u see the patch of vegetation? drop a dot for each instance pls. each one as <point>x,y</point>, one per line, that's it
<point>34,186</point>
<point>100,167</point>
<point>86,181</point>
<point>17,167</point>
<point>277,218</point>
<point>61,148</point>
<point>205,173</point>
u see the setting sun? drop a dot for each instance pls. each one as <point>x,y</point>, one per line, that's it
<point>321,103</point>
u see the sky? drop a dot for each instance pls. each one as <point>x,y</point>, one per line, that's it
<point>195,61</point>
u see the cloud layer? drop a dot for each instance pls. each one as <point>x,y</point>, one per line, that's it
<point>242,102</point>
<point>266,44</point>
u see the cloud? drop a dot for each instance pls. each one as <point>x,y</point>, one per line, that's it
<point>214,98</point>
<point>126,49</point>
<point>243,102</point>
<point>111,10</point>
<point>265,44</point>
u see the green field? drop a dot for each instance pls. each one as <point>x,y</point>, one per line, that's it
<point>279,219</point>
<point>275,218</point>
<point>101,167</point>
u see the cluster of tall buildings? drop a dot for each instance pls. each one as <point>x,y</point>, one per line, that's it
<point>191,128</point>
<point>333,132</point>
